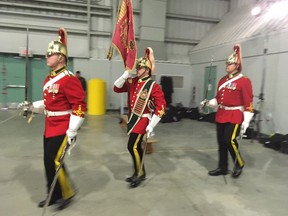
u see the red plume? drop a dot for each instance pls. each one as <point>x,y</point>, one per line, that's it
<point>62,36</point>
<point>150,55</point>
<point>237,50</point>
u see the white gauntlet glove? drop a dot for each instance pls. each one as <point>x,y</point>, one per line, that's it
<point>149,131</point>
<point>38,107</point>
<point>210,103</point>
<point>154,121</point>
<point>245,124</point>
<point>203,103</point>
<point>26,107</point>
<point>71,134</point>
<point>74,124</point>
<point>121,80</point>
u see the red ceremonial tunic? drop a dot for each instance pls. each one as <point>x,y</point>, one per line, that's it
<point>64,94</point>
<point>133,86</point>
<point>236,93</point>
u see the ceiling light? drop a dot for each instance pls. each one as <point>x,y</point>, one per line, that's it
<point>256,11</point>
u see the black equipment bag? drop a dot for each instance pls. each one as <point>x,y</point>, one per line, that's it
<point>193,113</point>
<point>248,133</point>
<point>172,115</point>
<point>208,117</point>
<point>274,142</point>
<point>284,145</point>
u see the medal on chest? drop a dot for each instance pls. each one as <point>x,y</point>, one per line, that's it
<point>54,89</point>
<point>231,86</point>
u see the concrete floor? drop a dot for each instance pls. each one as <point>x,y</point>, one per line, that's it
<point>177,184</point>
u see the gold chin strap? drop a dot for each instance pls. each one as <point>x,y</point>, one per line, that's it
<point>60,58</point>
<point>142,76</point>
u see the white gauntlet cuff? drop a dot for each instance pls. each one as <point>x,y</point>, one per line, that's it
<point>213,103</point>
<point>154,121</point>
<point>38,107</point>
<point>121,80</point>
<point>248,116</point>
<point>75,122</point>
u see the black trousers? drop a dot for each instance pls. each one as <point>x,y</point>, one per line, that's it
<point>226,137</point>
<point>135,148</point>
<point>53,149</point>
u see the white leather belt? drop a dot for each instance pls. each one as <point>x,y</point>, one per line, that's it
<point>56,113</point>
<point>146,115</point>
<point>241,108</point>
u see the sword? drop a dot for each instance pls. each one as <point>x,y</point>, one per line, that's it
<point>26,111</point>
<point>52,187</point>
<point>240,138</point>
<point>143,156</point>
<point>26,101</point>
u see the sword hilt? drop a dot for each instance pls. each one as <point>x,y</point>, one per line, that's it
<point>30,118</point>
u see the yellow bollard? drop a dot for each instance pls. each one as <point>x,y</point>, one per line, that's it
<point>96,97</point>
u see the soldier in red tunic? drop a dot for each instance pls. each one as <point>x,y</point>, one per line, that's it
<point>64,106</point>
<point>234,100</point>
<point>146,105</point>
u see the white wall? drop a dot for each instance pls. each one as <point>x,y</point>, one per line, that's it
<point>109,71</point>
<point>38,42</point>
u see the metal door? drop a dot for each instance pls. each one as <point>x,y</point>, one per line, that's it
<point>12,83</point>
<point>12,80</point>
<point>210,85</point>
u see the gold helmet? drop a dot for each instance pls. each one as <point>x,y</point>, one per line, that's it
<point>58,46</point>
<point>235,57</point>
<point>147,61</point>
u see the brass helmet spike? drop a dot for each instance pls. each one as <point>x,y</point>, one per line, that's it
<point>59,46</point>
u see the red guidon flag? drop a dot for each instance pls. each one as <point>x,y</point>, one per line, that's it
<point>124,38</point>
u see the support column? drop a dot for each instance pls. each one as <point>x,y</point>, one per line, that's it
<point>152,28</point>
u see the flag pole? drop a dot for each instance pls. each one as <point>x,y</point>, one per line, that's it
<point>110,51</point>
<point>27,64</point>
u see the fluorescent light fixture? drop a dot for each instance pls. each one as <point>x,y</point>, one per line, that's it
<point>256,11</point>
<point>278,10</point>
